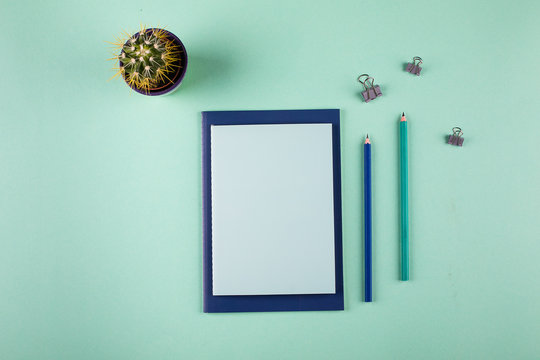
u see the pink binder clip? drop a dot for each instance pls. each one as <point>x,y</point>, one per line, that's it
<point>455,138</point>
<point>414,67</point>
<point>370,91</point>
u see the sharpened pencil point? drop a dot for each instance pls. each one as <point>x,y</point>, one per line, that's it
<point>403,117</point>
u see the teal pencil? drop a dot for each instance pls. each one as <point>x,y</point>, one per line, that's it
<point>403,154</point>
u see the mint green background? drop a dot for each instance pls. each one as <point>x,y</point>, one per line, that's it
<point>100,188</point>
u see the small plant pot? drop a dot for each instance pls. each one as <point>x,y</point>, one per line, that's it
<point>178,76</point>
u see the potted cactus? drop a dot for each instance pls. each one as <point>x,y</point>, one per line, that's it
<point>151,62</point>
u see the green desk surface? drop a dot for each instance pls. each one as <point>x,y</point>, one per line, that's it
<point>100,188</point>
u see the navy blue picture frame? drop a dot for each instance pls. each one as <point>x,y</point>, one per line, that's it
<point>246,303</point>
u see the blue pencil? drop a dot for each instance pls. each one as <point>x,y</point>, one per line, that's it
<point>367,220</point>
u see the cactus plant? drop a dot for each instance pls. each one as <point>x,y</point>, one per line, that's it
<point>148,59</point>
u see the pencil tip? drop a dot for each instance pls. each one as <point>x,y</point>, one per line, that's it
<point>367,140</point>
<point>402,114</point>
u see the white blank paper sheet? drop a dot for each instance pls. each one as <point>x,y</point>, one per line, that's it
<point>272,209</point>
